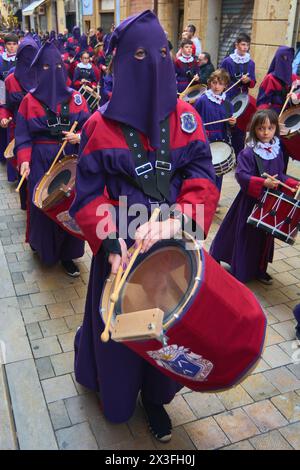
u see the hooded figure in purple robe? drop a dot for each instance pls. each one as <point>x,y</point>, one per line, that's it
<point>144,94</point>
<point>60,43</point>
<point>76,33</point>
<point>26,52</point>
<point>282,64</point>
<point>146,84</point>
<point>39,133</point>
<point>52,36</point>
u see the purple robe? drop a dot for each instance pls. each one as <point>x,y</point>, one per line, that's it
<point>245,248</point>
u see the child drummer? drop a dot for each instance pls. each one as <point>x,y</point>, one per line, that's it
<point>213,106</point>
<point>246,249</point>
<point>187,67</point>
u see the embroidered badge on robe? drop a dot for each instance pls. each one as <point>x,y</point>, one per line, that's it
<point>188,123</point>
<point>78,99</point>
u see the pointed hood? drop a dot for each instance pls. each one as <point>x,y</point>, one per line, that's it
<point>281,65</point>
<point>26,52</point>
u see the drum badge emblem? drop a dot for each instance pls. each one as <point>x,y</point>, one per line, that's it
<point>68,222</point>
<point>182,361</point>
<point>188,122</point>
<point>78,99</point>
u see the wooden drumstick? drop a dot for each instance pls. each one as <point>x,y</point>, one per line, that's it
<point>235,84</point>
<point>265,175</point>
<point>217,122</point>
<point>286,101</point>
<point>61,149</point>
<point>297,194</point>
<point>184,91</point>
<point>21,182</point>
<point>105,334</point>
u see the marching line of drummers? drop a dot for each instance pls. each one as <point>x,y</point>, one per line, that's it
<point>43,118</point>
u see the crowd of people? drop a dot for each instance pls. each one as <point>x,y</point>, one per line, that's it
<point>137,78</point>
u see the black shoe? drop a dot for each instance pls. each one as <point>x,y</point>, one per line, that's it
<point>158,420</point>
<point>265,278</point>
<point>71,268</point>
<point>298,333</point>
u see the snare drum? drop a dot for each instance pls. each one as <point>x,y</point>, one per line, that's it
<point>91,96</point>
<point>174,311</point>
<point>291,121</point>
<point>192,94</point>
<point>277,214</point>
<point>244,107</point>
<point>55,193</point>
<point>223,157</point>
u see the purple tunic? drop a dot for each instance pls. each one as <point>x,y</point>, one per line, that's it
<point>246,248</point>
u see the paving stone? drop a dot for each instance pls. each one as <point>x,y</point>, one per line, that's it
<point>44,368</point>
<point>258,387</point>
<point>265,415</point>
<point>206,434</point>
<point>74,321</point>
<point>236,425</point>
<point>295,369</point>
<point>78,305</point>
<point>65,295</point>
<point>63,363</point>
<point>13,336</point>
<point>289,405</point>
<point>34,314</point>
<point>33,426</point>
<point>59,415</point>
<point>179,411</point>
<point>286,329</point>
<point>67,341</point>
<point>292,292</point>
<point>45,347</point>
<point>7,436</point>
<point>24,301</point>
<point>286,278</point>
<point>260,367</point>
<point>283,379</point>
<point>270,441</point>
<point>54,327</point>
<point>58,388</point>
<point>292,434</point>
<point>60,310</point>
<point>78,437</point>
<point>108,434</point>
<point>83,407</point>
<point>234,398</point>
<point>243,445</point>
<point>23,289</point>
<point>34,331</point>
<point>204,404</point>
<point>180,441</point>
<point>275,357</point>
<point>139,443</point>
<point>17,278</point>
<point>44,298</point>
<point>282,312</point>
<point>80,388</point>
<point>273,337</point>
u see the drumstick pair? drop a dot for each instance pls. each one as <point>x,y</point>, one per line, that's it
<point>286,102</point>
<point>54,161</point>
<point>235,84</point>
<point>120,281</point>
<point>218,122</point>
<point>273,178</point>
<point>189,85</point>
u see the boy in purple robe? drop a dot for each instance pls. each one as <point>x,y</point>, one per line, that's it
<point>187,67</point>
<point>44,118</point>
<point>247,249</point>
<point>214,106</point>
<point>144,105</point>
<point>239,65</point>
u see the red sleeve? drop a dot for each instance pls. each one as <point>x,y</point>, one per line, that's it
<point>256,186</point>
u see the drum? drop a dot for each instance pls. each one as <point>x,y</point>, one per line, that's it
<point>244,107</point>
<point>55,193</point>
<point>184,314</point>
<point>9,151</point>
<point>91,96</point>
<point>290,119</point>
<point>192,94</point>
<point>223,157</point>
<point>277,214</point>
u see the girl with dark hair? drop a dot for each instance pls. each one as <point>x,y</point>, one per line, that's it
<point>247,249</point>
<point>84,72</point>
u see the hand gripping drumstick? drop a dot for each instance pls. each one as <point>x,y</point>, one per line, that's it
<point>218,122</point>
<point>235,84</point>
<point>183,92</point>
<point>61,149</point>
<point>21,182</point>
<point>286,102</point>
<point>119,282</point>
<point>265,175</point>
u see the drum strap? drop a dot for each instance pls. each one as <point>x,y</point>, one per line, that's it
<point>156,186</point>
<point>228,115</point>
<point>259,164</point>
<point>60,123</point>
<point>240,71</point>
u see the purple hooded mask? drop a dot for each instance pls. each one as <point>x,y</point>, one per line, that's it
<point>83,43</point>
<point>52,36</point>
<point>26,52</point>
<point>76,33</point>
<point>281,65</point>
<point>144,91</point>
<point>51,86</point>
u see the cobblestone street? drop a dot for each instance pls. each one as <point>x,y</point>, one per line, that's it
<point>42,406</point>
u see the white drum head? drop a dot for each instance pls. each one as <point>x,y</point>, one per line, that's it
<point>240,104</point>
<point>221,151</point>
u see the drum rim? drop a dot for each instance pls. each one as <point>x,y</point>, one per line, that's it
<point>247,99</point>
<point>287,114</point>
<point>174,319</point>
<point>284,237</point>
<point>286,197</point>
<point>192,88</point>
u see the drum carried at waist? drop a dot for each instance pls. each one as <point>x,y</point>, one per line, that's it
<point>179,317</point>
<point>91,96</point>
<point>55,193</point>
<point>223,157</point>
<point>244,107</point>
<point>277,214</point>
<point>290,131</point>
<point>191,94</point>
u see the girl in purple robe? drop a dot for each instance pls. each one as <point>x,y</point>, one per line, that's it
<point>44,118</point>
<point>245,248</point>
<point>144,100</point>
<point>84,72</point>
<point>240,65</point>
<point>214,106</point>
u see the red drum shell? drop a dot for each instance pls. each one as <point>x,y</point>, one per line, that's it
<point>222,328</point>
<point>292,146</point>
<point>277,214</point>
<point>243,122</point>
